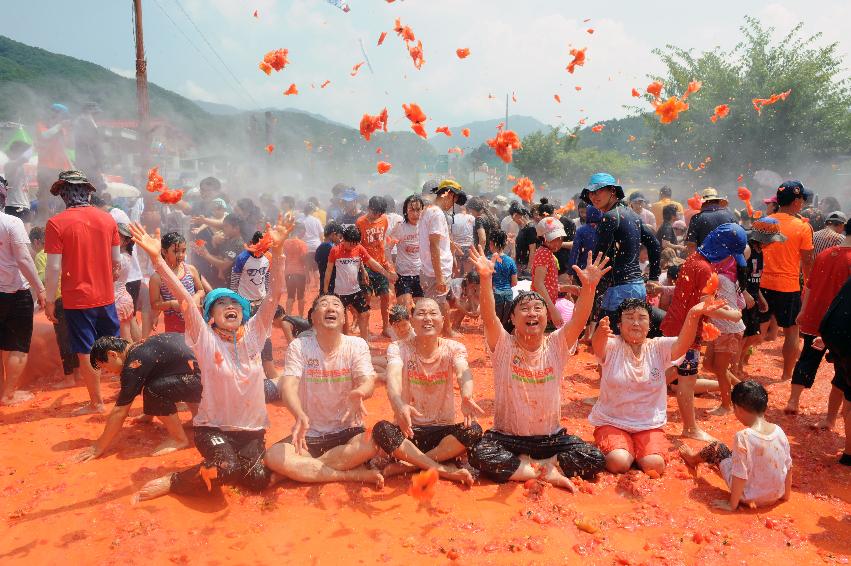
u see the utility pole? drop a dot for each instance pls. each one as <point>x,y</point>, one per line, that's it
<point>143,130</point>
<point>505,177</point>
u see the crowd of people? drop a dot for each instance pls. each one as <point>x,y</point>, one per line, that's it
<point>660,294</point>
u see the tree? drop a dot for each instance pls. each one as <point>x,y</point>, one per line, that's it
<point>813,122</point>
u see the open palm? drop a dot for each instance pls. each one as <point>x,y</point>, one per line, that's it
<point>149,243</point>
<point>281,230</point>
<point>483,265</point>
<point>594,270</point>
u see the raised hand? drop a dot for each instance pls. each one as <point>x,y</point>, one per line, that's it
<point>470,409</point>
<point>148,243</point>
<point>280,231</point>
<point>594,270</point>
<point>481,263</point>
<point>605,328</point>
<point>707,306</point>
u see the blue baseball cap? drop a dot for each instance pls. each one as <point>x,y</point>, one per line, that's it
<point>724,241</point>
<point>599,181</point>
<point>61,108</point>
<point>222,293</point>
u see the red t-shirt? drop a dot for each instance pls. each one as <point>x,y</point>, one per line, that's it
<point>294,250</point>
<point>347,264</point>
<point>51,151</point>
<point>373,235</point>
<point>830,271</point>
<point>85,237</point>
<point>693,277</point>
<point>546,259</point>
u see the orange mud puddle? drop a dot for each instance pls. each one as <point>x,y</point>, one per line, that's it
<point>56,512</point>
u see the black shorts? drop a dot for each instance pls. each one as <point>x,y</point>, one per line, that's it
<point>356,300</point>
<point>378,284</point>
<point>133,288</point>
<point>497,456</point>
<point>690,363</point>
<point>160,395</point>
<point>23,213</point>
<point>16,321</point>
<point>408,285</point>
<point>295,286</point>
<point>784,306</point>
<point>388,436</point>
<point>753,319</point>
<point>319,445</point>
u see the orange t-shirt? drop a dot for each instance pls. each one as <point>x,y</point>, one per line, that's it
<point>782,260</point>
<point>294,252</point>
<point>373,235</point>
<point>51,151</point>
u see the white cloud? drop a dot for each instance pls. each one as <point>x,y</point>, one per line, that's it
<point>192,90</point>
<point>126,73</point>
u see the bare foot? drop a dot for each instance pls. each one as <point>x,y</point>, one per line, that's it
<point>18,397</point>
<point>142,419</point>
<point>397,469</point>
<point>690,457</point>
<point>169,446</point>
<point>698,434</point>
<point>720,411</point>
<point>153,489</point>
<point>453,473</point>
<point>824,424</point>
<point>89,409</point>
<point>65,383</point>
<point>553,476</point>
<point>791,408</point>
<point>367,475</point>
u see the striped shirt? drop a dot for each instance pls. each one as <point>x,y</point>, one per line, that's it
<point>826,238</point>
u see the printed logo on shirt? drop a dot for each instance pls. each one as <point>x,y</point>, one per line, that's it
<point>327,375</point>
<point>312,363</point>
<point>535,377</point>
<point>420,378</point>
<point>655,375</point>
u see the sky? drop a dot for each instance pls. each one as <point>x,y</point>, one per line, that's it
<point>519,47</point>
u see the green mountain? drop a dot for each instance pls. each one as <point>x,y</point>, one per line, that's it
<point>309,146</point>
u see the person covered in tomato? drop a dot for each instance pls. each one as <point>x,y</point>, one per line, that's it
<point>421,375</point>
<point>231,422</point>
<point>631,411</point>
<point>527,440</point>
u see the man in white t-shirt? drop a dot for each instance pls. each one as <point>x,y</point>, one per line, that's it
<point>461,234</point>
<point>17,274</point>
<point>527,440</point>
<point>421,377</point>
<point>435,251</point>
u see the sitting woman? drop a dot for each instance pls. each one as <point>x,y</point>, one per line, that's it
<point>632,408</point>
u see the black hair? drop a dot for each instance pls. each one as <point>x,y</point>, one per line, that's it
<point>669,212</point>
<point>631,305</point>
<point>751,396</point>
<point>525,297</point>
<point>472,278</point>
<point>216,184</point>
<point>847,228</point>
<point>289,200</point>
<point>103,345</point>
<point>333,228</point>
<point>498,238</point>
<point>316,302</point>
<point>398,313</point>
<point>391,203</point>
<point>351,234</point>
<point>310,208</point>
<point>258,235</point>
<point>171,238</point>
<point>232,220</point>
<point>517,208</point>
<point>128,246</point>
<point>377,204</point>
<point>545,208</point>
<point>37,233</point>
<point>407,202</point>
<point>816,218</point>
<point>665,191</point>
<point>673,273</point>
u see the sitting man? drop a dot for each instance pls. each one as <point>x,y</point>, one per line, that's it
<point>163,369</point>
<point>527,440</point>
<point>421,389</point>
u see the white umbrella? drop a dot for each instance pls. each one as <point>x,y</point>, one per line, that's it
<point>121,190</point>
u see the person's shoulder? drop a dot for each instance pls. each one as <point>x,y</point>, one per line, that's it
<point>454,347</point>
<point>354,344</point>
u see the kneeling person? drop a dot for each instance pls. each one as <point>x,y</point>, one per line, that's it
<point>527,440</point>
<point>421,373</point>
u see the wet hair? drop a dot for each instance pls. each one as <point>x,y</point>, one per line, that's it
<point>128,244</point>
<point>258,235</point>
<point>525,297</point>
<point>498,238</point>
<point>545,208</point>
<point>476,204</point>
<point>231,220</point>
<point>170,239</point>
<point>377,204</point>
<point>37,233</point>
<point>751,396</point>
<point>351,234</point>
<point>665,191</point>
<point>398,313</point>
<point>212,181</point>
<point>333,228</point>
<point>407,202</point>
<point>472,278</point>
<point>316,302</point>
<point>517,208</point>
<point>632,305</point>
<point>669,212</point>
<point>673,272</point>
<point>103,345</point>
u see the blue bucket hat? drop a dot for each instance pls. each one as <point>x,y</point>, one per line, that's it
<point>349,195</point>
<point>725,241</point>
<point>599,181</point>
<point>221,293</point>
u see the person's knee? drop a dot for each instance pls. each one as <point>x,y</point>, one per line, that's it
<point>652,463</point>
<point>583,460</point>
<point>469,436</point>
<point>387,436</point>
<point>619,461</point>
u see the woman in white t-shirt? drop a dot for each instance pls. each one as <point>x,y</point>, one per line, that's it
<point>632,408</point>
<point>462,229</point>
<point>408,263</point>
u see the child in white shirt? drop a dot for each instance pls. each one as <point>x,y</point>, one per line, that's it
<point>758,470</point>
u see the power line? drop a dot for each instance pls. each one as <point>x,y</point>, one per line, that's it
<point>213,49</point>
<point>198,49</point>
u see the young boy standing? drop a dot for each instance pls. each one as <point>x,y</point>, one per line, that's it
<point>295,250</point>
<point>373,227</point>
